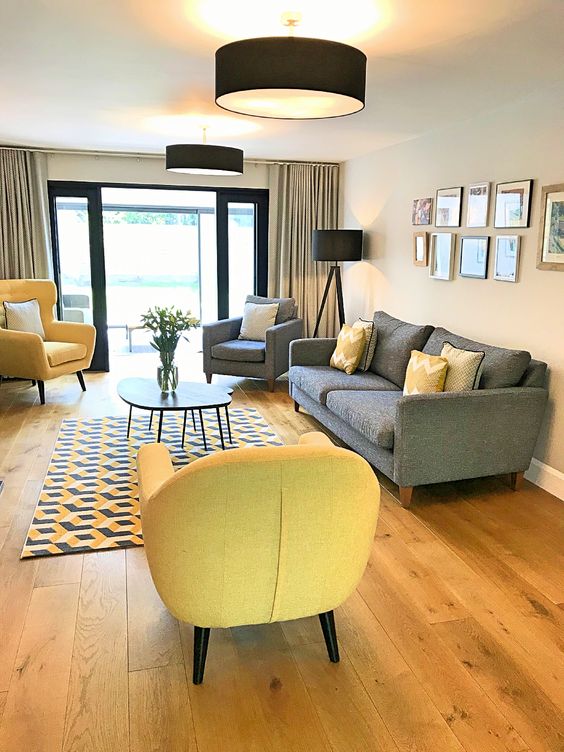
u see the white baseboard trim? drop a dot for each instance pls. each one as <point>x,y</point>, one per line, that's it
<point>546,477</point>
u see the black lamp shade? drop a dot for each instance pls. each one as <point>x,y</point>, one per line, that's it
<point>204,159</point>
<point>337,245</point>
<point>290,78</point>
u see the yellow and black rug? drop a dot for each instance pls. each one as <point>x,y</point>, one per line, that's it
<point>89,499</point>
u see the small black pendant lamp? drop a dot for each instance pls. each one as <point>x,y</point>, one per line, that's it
<point>204,159</point>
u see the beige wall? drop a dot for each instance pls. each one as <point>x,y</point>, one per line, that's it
<point>148,170</point>
<point>517,142</point>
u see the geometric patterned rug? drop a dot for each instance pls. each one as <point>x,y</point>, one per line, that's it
<point>89,500</point>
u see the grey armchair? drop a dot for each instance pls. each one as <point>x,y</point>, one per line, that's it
<point>225,353</point>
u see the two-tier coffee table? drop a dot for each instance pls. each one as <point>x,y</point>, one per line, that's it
<point>145,394</point>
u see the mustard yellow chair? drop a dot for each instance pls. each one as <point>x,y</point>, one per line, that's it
<point>257,535</point>
<point>67,348</point>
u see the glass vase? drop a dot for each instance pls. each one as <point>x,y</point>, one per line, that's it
<point>167,377</point>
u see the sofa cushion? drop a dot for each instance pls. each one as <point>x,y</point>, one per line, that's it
<point>501,367</point>
<point>242,350</point>
<point>396,340</point>
<point>318,381</point>
<point>286,308</point>
<point>63,352</point>
<point>371,413</point>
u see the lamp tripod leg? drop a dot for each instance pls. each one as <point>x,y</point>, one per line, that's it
<point>324,299</point>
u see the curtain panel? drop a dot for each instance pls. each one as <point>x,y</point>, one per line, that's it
<point>25,247</point>
<point>303,198</point>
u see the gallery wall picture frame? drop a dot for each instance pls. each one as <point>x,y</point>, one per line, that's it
<point>441,255</point>
<point>422,211</point>
<point>448,205</point>
<point>420,249</point>
<point>474,256</point>
<point>478,206</point>
<point>506,260</point>
<point>513,204</point>
<point>550,254</point>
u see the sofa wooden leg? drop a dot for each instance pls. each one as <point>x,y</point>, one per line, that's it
<point>405,494</point>
<point>516,481</point>
<point>270,385</point>
<point>330,634</point>
<point>201,639</point>
<point>208,377</point>
<point>296,406</point>
<point>41,387</point>
<point>80,377</point>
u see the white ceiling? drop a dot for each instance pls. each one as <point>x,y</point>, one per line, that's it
<point>134,75</point>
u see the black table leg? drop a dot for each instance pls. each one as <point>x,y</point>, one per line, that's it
<point>184,427</point>
<point>160,425</point>
<point>203,430</point>
<point>151,421</point>
<point>129,420</point>
<point>193,420</point>
<point>228,424</point>
<point>220,427</point>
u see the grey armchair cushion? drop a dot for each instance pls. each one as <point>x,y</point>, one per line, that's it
<point>371,413</point>
<point>396,339</point>
<point>501,367</point>
<point>286,308</point>
<point>241,350</point>
<point>318,381</point>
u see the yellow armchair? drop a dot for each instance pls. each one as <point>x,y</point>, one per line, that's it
<point>258,534</point>
<point>68,347</point>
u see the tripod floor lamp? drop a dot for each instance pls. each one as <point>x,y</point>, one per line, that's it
<point>335,246</point>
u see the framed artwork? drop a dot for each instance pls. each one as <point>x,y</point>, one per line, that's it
<point>441,258</point>
<point>447,207</point>
<point>422,211</point>
<point>506,262</point>
<point>420,250</point>
<point>551,236</point>
<point>474,257</point>
<point>478,205</point>
<point>513,204</point>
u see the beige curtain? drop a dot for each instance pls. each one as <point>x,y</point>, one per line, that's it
<point>25,248</point>
<point>303,197</point>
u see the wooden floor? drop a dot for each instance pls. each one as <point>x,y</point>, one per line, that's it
<point>453,641</point>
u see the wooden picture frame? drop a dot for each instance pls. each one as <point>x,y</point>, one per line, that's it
<point>422,211</point>
<point>441,255</point>
<point>478,204</point>
<point>506,259</point>
<point>513,204</point>
<point>420,249</point>
<point>448,207</point>
<point>474,251</point>
<point>550,254</point>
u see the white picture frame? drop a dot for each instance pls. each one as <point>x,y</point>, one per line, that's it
<point>477,209</point>
<point>506,259</point>
<point>441,257</point>
<point>448,205</point>
<point>474,252</point>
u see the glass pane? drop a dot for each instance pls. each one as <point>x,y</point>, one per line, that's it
<point>241,238</point>
<point>74,258</point>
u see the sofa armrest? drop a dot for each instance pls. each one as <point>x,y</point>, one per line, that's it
<point>315,438</point>
<point>454,435</point>
<point>70,331</point>
<point>22,355</point>
<point>278,340</point>
<point>312,352</point>
<point>154,467</point>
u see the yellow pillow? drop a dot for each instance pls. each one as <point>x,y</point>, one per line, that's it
<point>425,373</point>
<point>350,346</point>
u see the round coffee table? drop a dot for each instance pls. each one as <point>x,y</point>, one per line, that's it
<point>145,394</point>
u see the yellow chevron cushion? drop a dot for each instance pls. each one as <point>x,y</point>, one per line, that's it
<point>425,373</point>
<point>350,346</point>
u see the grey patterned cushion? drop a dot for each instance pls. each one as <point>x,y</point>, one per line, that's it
<point>286,309</point>
<point>24,317</point>
<point>371,413</point>
<point>501,367</point>
<point>242,350</point>
<point>396,340</point>
<point>318,381</point>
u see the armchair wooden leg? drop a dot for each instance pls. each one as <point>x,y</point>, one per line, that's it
<point>330,634</point>
<point>405,494</point>
<point>80,377</point>
<point>208,377</point>
<point>271,385</point>
<point>516,481</point>
<point>41,387</point>
<point>33,383</point>
<point>201,639</point>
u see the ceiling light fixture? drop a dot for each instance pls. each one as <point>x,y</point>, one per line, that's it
<point>204,159</point>
<point>296,78</point>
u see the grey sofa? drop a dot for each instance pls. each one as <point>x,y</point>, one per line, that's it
<point>425,438</point>
<point>225,353</point>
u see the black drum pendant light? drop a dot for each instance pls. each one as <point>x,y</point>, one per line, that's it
<point>295,78</point>
<point>204,159</point>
